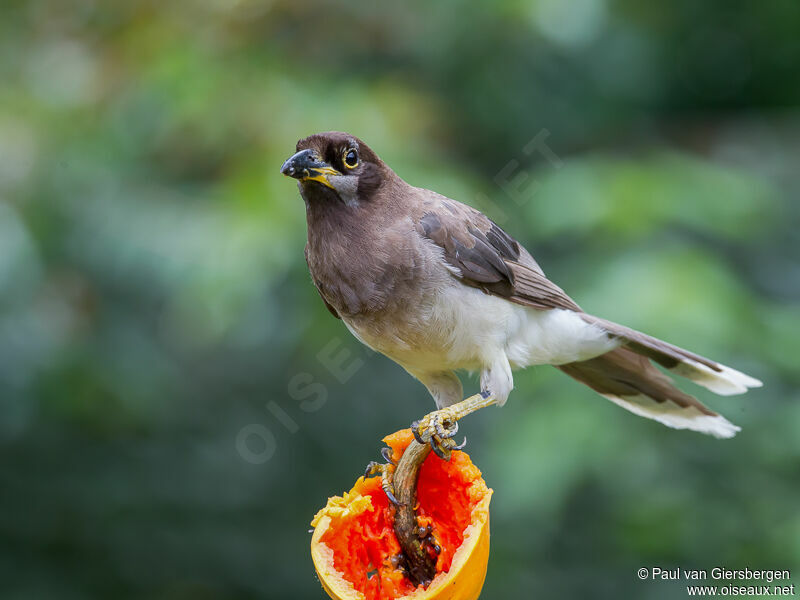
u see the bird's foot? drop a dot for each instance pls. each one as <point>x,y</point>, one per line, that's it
<point>386,471</point>
<point>437,429</point>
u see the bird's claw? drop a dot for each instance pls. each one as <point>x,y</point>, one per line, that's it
<point>373,468</point>
<point>386,471</point>
<point>437,429</point>
<point>440,430</point>
<point>386,453</point>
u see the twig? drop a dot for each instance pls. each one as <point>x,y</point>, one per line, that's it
<point>418,547</point>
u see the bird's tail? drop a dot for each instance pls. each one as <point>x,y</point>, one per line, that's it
<point>626,377</point>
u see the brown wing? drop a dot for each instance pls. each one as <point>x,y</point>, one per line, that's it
<point>488,258</point>
<point>482,255</point>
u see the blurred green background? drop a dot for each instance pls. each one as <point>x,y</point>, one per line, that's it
<point>170,418</point>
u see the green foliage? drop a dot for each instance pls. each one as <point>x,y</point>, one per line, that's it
<point>154,299</point>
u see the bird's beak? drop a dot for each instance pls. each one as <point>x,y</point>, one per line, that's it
<point>307,166</point>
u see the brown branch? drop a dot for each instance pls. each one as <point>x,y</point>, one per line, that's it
<point>419,549</point>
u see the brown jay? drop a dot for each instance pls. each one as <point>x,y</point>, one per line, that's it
<point>437,287</point>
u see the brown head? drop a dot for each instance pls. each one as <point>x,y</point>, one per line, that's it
<point>336,166</point>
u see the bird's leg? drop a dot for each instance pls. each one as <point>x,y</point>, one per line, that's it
<point>386,471</point>
<point>439,427</point>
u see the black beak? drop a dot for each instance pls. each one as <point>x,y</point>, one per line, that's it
<point>303,164</point>
<point>306,166</point>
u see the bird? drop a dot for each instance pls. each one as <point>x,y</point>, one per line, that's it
<point>440,288</point>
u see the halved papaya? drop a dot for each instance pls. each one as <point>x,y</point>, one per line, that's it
<point>355,549</point>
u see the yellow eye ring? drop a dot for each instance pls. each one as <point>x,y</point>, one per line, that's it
<point>350,158</point>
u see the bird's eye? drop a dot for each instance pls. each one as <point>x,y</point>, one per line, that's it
<point>351,159</point>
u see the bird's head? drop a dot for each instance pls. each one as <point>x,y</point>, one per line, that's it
<point>336,165</point>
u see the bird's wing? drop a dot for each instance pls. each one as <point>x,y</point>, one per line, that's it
<point>480,254</point>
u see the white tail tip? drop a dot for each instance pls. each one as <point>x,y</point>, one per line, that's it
<point>726,382</point>
<point>670,414</point>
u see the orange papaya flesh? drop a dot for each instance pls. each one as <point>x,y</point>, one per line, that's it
<point>355,549</point>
